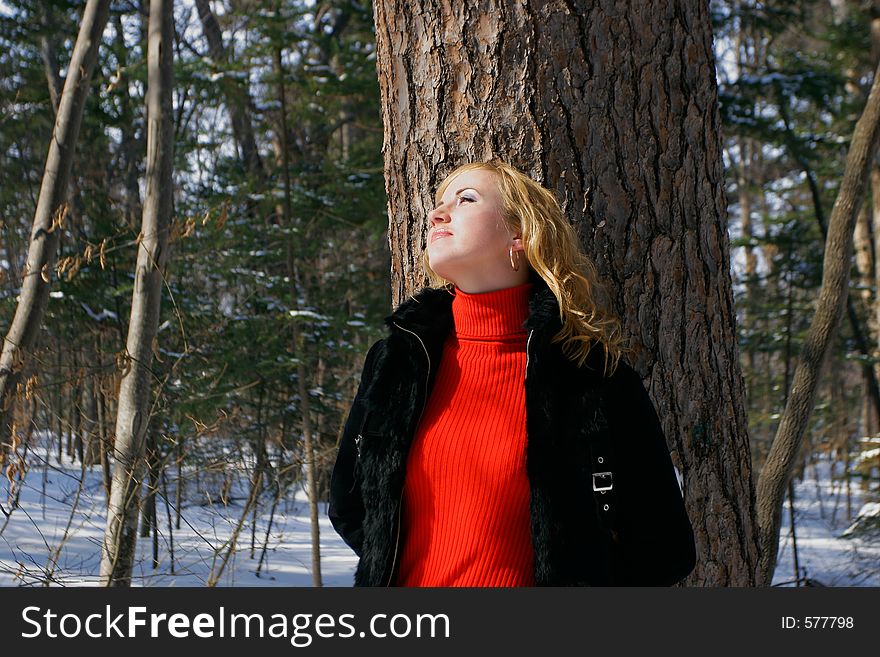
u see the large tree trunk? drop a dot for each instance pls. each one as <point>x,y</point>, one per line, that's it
<point>132,417</point>
<point>51,207</point>
<point>833,296</point>
<point>614,106</point>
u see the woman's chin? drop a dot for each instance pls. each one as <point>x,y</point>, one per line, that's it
<point>444,273</point>
<point>441,266</point>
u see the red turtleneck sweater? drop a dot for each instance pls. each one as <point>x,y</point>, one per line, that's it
<point>465,515</point>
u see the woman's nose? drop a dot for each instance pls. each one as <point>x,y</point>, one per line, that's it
<point>437,215</point>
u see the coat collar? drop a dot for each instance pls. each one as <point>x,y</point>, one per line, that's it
<point>428,313</point>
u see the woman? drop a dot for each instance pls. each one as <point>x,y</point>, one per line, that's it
<point>497,437</point>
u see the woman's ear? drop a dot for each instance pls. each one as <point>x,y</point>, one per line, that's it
<point>517,244</point>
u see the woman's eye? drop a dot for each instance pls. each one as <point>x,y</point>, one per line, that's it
<point>465,198</point>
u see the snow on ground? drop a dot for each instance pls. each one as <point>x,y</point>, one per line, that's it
<point>820,520</point>
<point>54,536</point>
<point>38,530</point>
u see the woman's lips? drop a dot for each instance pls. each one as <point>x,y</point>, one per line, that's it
<point>440,233</point>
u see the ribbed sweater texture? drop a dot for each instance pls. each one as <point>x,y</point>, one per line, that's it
<point>465,513</point>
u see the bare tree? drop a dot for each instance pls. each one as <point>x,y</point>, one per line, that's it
<point>833,296</point>
<point>236,92</point>
<point>51,208</point>
<point>132,417</point>
<point>298,341</point>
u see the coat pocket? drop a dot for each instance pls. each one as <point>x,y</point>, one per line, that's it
<point>363,431</point>
<point>358,443</point>
<point>364,436</point>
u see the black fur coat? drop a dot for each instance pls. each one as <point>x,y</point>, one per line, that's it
<point>636,533</point>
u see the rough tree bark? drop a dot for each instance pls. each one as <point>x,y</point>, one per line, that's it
<point>132,418</point>
<point>614,106</point>
<point>51,207</point>
<point>833,297</point>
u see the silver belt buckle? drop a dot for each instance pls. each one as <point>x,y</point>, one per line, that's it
<point>603,476</point>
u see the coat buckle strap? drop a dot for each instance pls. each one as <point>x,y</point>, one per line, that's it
<point>602,481</point>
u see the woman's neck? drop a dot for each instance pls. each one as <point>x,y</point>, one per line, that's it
<point>495,313</point>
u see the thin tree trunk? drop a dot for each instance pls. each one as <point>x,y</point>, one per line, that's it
<point>148,507</point>
<point>130,145</point>
<point>833,296</point>
<point>298,342</point>
<point>70,411</point>
<point>864,247</point>
<point>49,55</point>
<point>851,313</point>
<point>178,488</point>
<point>847,473</point>
<point>237,94</point>
<point>164,481</point>
<point>261,459</point>
<point>90,406</point>
<point>269,526</point>
<point>794,549</point>
<point>231,545</point>
<point>133,409</point>
<point>747,58</point>
<point>59,403</point>
<point>76,407</point>
<point>864,258</point>
<point>9,243</point>
<point>744,189</point>
<point>865,252</point>
<point>51,208</point>
<point>104,441</point>
<point>872,420</point>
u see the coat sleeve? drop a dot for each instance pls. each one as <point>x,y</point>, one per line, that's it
<point>346,508</point>
<point>655,540</point>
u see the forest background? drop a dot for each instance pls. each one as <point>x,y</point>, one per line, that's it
<point>283,250</point>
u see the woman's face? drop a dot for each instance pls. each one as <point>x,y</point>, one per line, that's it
<point>468,241</point>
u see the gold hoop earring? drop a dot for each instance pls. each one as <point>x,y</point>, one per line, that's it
<point>513,264</point>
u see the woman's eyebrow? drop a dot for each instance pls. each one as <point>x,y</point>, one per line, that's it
<point>457,192</point>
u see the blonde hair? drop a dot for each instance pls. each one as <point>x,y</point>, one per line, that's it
<point>553,252</point>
